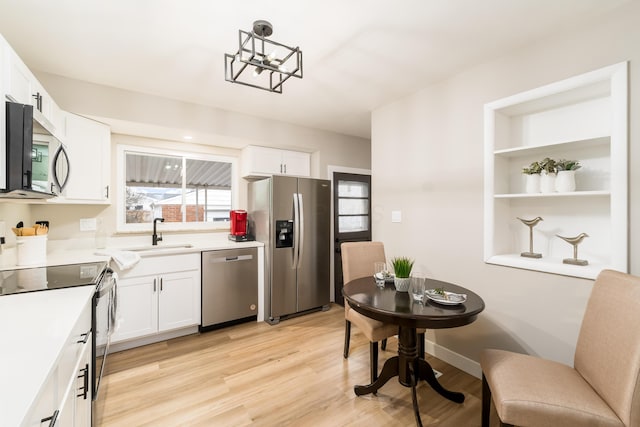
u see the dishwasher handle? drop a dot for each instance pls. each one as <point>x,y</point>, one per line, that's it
<point>235,258</point>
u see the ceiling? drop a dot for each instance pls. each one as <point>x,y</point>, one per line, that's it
<point>357,54</point>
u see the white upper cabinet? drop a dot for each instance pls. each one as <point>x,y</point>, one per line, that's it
<point>88,147</point>
<point>262,161</point>
<point>582,118</point>
<point>23,87</point>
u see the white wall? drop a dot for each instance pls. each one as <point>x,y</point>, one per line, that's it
<point>427,161</point>
<point>139,119</point>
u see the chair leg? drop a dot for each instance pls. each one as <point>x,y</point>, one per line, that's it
<point>373,353</point>
<point>486,402</point>
<point>347,337</point>
<point>384,344</point>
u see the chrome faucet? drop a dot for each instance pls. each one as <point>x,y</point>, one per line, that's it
<point>155,238</point>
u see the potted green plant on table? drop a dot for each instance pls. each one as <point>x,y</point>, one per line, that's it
<point>548,175</point>
<point>402,268</point>
<point>532,174</point>
<point>566,179</point>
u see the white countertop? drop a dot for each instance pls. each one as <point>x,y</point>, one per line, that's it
<point>74,251</point>
<point>34,328</point>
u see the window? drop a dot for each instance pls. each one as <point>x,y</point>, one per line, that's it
<point>190,191</point>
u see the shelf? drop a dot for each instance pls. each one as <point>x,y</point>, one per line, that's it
<point>547,195</point>
<point>584,118</point>
<point>547,149</point>
<point>548,265</point>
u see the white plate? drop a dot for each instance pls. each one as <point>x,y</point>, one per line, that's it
<point>449,298</point>
<point>388,278</point>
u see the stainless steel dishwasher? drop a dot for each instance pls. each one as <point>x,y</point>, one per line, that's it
<point>229,287</point>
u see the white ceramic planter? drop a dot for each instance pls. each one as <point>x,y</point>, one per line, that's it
<point>548,182</point>
<point>402,284</point>
<point>566,181</point>
<point>532,183</point>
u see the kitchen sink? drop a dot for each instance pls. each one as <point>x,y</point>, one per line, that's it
<point>152,248</point>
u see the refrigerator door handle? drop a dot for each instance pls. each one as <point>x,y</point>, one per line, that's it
<point>296,230</point>
<point>300,229</point>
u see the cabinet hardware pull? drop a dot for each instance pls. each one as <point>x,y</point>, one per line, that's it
<point>85,339</point>
<point>161,283</point>
<point>154,285</point>
<point>85,386</point>
<point>107,195</point>
<point>285,168</point>
<point>52,419</point>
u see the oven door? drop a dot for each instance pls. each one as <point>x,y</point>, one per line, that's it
<point>104,321</point>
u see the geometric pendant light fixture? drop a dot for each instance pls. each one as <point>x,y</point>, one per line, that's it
<point>260,62</point>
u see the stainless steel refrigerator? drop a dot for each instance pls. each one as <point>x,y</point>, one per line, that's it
<point>292,217</point>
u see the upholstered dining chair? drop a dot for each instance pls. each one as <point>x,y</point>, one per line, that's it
<point>358,260</point>
<point>603,386</point>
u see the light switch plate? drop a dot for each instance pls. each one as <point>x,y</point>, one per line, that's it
<point>396,216</point>
<point>88,224</point>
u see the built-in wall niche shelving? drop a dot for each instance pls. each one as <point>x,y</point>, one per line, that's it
<point>582,118</point>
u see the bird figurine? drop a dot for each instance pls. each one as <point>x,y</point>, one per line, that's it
<point>574,241</point>
<point>531,223</point>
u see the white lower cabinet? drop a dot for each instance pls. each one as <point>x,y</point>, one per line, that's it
<point>66,394</point>
<point>159,294</point>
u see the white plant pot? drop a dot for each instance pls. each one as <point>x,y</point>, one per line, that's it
<point>566,181</point>
<point>532,183</point>
<point>402,284</point>
<point>548,182</point>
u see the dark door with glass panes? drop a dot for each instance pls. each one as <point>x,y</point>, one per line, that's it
<point>351,217</point>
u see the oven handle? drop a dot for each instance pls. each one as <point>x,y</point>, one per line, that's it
<point>106,283</point>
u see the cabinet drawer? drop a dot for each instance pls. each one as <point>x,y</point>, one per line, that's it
<point>161,265</point>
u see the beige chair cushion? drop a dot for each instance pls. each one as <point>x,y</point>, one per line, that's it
<point>529,391</point>
<point>608,348</point>
<point>373,329</point>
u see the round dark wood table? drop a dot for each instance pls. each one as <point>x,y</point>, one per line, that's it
<point>390,306</point>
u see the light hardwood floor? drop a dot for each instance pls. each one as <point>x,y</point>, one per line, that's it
<point>261,375</point>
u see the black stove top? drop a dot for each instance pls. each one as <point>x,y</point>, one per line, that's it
<point>52,277</point>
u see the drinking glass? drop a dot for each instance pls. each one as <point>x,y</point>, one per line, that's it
<point>380,270</point>
<point>417,287</point>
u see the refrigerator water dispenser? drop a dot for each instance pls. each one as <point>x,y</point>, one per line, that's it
<point>284,233</point>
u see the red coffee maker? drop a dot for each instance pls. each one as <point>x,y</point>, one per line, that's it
<point>238,226</point>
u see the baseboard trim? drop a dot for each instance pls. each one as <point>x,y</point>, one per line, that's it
<point>461,362</point>
<point>151,339</point>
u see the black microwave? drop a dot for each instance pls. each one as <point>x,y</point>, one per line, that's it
<point>28,166</point>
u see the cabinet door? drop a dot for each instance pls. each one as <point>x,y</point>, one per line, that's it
<point>296,163</point>
<point>82,413</point>
<point>138,308</point>
<point>46,405</point>
<point>179,304</point>
<point>19,79</point>
<point>262,161</point>
<point>88,144</point>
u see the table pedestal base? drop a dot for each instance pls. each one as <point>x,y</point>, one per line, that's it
<point>409,368</point>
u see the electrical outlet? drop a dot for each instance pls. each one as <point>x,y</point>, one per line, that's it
<point>396,216</point>
<point>88,224</point>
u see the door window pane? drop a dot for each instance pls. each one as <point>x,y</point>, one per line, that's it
<point>353,206</point>
<point>350,224</point>
<point>353,189</point>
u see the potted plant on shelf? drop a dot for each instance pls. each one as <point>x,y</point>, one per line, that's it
<point>548,175</point>
<point>402,268</point>
<point>532,174</point>
<point>566,179</point>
